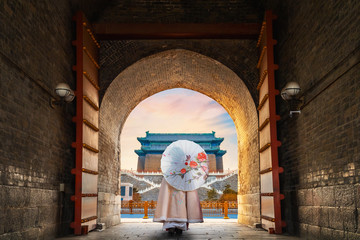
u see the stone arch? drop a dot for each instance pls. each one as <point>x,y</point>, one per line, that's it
<point>173,69</point>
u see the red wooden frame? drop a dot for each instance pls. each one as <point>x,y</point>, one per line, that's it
<point>273,118</point>
<point>78,119</point>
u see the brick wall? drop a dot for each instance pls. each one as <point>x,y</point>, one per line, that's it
<point>212,162</point>
<point>152,162</point>
<point>35,152</point>
<point>219,163</point>
<point>175,11</point>
<point>109,179</point>
<point>319,48</point>
<point>238,55</point>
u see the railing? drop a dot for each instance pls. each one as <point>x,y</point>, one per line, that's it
<point>136,173</point>
<point>153,185</point>
<point>149,188</point>
<point>130,207</point>
<point>141,173</point>
<point>209,209</point>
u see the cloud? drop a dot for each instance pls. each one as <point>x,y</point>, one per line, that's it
<point>175,111</point>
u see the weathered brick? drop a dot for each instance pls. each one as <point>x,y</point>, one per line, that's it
<point>14,219</point>
<point>305,197</point>
<point>344,196</point>
<point>31,233</point>
<point>35,197</point>
<point>358,220</point>
<point>349,216</point>
<point>305,214</point>
<point>177,11</point>
<point>108,209</point>
<point>318,149</point>
<point>2,196</point>
<point>353,236</point>
<point>335,218</point>
<point>326,233</point>
<point>317,196</point>
<point>11,236</point>
<point>357,195</point>
<point>49,231</point>
<point>116,56</point>
<point>48,215</point>
<point>323,217</point>
<point>30,218</point>
<point>316,216</point>
<point>303,230</point>
<point>337,234</point>
<point>313,232</point>
<point>16,196</point>
<point>36,54</point>
<point>2,220</point>
<point>328,196</point>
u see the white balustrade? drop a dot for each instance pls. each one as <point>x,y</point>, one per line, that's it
<point>153,185</point>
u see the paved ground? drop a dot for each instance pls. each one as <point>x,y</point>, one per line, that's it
<point>211,229</point>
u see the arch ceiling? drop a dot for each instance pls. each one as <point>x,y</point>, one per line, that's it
<point>240,56</point>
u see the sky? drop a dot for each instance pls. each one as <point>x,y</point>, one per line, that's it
<point>178,110</point>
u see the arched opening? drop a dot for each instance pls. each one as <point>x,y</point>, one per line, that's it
<point>168,116</point>
<point>178,110</point>
<point>174,69</point>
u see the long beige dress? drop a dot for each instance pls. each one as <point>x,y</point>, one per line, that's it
<point>176,208</point>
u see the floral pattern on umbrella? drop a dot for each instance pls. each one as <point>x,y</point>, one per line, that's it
<point>185,165</point>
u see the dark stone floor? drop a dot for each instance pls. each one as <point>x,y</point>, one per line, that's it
<point>211,229</point>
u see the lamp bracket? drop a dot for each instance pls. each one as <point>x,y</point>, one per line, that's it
<point>292,112</point>
<point>54,102</point>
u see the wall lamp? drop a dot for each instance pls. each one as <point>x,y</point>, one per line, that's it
<point>64,92</point>
<point>290,93</point>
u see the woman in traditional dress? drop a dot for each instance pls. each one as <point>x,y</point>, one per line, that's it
<point>184,165</point>
<point>176,209</point>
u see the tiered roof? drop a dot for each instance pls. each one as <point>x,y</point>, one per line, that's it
<point>156,143</point>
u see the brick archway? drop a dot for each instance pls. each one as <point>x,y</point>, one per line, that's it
<point>174,69</point>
